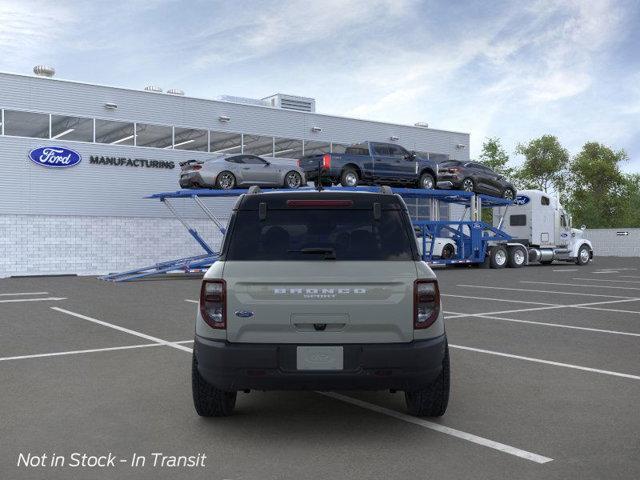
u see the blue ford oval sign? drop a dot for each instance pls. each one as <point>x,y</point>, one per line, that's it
<point>521,200</point>
<point>56,157</point>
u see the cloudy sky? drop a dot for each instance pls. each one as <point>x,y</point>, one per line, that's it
<point>515,70</point>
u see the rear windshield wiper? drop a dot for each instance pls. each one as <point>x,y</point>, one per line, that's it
<point>329,253</point>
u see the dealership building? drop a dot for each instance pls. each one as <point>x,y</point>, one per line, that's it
<point>91,217</point>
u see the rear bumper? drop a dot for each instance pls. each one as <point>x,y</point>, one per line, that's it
<point>190,180</point>
<point>401,366</point>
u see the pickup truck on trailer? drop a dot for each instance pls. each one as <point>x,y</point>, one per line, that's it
<point>320,291</point>
<point>372,163</point>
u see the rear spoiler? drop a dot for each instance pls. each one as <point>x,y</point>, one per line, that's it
<point>190,162</point>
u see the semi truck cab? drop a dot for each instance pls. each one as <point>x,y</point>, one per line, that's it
<point>538,221</point>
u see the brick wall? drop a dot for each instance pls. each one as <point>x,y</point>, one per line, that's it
<point>39,244</point>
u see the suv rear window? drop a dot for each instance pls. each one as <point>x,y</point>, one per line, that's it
<point>304,234</point>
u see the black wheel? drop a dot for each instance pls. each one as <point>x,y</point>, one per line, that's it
<point>225,181</point>
<point>208,400</point>
<point>508,194</point>
<point>349,178</point>
<point>517,257</point>
<point>468,185</point>
<point>292,180</point>
<point>584,255</point>
<point>427,181</point>
<point>447,252</point>
<point>498,257</point>
<point>433,400</point>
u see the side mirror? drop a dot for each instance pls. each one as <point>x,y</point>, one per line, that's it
<point>583,227</point>
<point>267,164</point>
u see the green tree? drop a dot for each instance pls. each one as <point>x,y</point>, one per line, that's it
<point>599,191</point>
<point>545,164</point>
<point>495,157</point>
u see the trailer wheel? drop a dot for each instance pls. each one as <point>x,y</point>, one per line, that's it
<point>584,255</point>
<point>517,257</point>
<point>498,257</point>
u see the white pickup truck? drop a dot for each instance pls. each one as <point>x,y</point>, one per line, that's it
<point>320,291</point>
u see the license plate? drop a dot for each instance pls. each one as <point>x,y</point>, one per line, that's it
<point>320,358</point>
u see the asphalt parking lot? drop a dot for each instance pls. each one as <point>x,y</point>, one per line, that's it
<point>545,384</point>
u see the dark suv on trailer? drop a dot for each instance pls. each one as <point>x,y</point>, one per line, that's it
<point>474,177</point>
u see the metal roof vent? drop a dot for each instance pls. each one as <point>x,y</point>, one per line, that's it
<point>153,88</point>
<point>44,71</point>
<point>175,91</point>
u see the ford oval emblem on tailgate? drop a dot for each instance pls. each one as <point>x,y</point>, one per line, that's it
<point>56,157</point>
<point>244,313</point>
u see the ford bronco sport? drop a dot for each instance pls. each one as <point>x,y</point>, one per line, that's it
<point>320,291</point>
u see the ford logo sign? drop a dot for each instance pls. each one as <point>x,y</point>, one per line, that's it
<point>244,313</point>
<point>55,157</point>
<point>521,200</point>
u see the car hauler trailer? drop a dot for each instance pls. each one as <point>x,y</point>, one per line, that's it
<point>466,241</point>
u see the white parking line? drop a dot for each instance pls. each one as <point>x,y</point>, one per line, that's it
<point>123,329</point>
<point>547,362</point>
<point>469,437</point>
<point>45,299</point>
<point>565,270</point>
<point>191,301</point>
<point>485,298</point>
<point>91,350</point>
<point>23,293</point>
<point>588,306</point>
<point>617,287</point>
<point>547,291</point>
<point>605,280</point>
<point>545,324</point>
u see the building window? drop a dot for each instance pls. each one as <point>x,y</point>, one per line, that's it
<point>316,148</point>
<point>338,147</point>
<point>158,136</point>
<point>26,124</point>
<point>287,148</point>
<point>72,128</point>
<point>190,139</point>
<point>258,145</point>
<point>225,142</point>
<point>114,133</point>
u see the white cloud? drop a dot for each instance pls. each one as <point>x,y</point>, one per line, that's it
<point>29,31</point>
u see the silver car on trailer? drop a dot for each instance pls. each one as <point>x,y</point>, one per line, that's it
<point>241,170</point>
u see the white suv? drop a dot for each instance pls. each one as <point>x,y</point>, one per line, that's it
<point>320,291</point>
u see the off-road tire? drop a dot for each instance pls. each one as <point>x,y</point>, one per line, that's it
<point>433,400</point>
<point>207,399</point>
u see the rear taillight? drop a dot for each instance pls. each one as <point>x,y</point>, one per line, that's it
<point>213,303</point>
<point>426,303</point>
<point>299,162</point>
<point>196,167</point>
<point>326,161</point>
